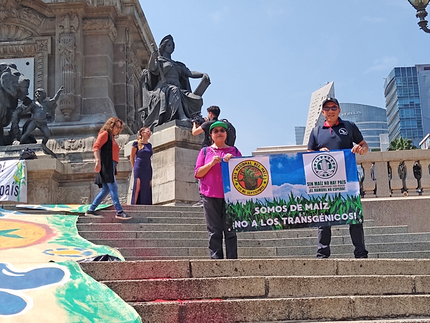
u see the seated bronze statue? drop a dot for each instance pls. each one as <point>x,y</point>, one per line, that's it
<point>167,92</point>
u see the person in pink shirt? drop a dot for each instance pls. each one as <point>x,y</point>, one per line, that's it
<point>208,171</point>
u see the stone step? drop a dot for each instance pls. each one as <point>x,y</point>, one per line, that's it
<point>268,287</point>
<point>144,217</point>
<point>243,242</point>
<point>402,320</point>
<point>262,309</point>
<point>123,231</point>
<point>350,255</point>
<point>143,220</point>
<point>154,269</point>
<point>284,251</point>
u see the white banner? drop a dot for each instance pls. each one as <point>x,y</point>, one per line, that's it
<point>13,180</point>
<point>325,172</point>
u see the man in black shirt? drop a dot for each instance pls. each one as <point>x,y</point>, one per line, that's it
<point>213,114</point>
<point>338,134</point>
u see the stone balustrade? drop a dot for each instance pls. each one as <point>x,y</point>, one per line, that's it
<point>391,173</point>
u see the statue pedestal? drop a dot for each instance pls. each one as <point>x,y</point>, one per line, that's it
<point>175,153</point>
<point>13,152</point>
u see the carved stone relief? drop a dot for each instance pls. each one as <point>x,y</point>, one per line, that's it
<point>66,50</point>
<point>100,26</point>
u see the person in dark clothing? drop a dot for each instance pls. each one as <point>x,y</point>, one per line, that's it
<point>334,134</point>
<point>213,114</point>
<point>106,153</point>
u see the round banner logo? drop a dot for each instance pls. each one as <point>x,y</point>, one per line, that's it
<point>324,166</point>
<point>250,177</point>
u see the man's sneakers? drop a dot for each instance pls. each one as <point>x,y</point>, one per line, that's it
<point>123,216</point>
<point>93,214</point>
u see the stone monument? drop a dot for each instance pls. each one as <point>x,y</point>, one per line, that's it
<point>96,50</point>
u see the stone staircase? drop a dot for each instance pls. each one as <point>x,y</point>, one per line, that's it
<point>166,232</point>
<point>271,290</point>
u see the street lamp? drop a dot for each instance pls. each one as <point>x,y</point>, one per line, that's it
<point>420,6</point>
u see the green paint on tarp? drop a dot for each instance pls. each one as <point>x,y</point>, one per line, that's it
<point>88,301</point>
<point>69,236</point>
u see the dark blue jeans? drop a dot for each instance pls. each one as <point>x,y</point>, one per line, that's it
<point>108,188</point>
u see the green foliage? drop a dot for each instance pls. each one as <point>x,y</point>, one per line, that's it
<point>337,204</point>
<point>401,144</point>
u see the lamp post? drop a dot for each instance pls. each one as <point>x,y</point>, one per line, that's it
<point>420,6</point>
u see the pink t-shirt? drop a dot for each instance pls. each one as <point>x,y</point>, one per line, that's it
<point>211,184</point>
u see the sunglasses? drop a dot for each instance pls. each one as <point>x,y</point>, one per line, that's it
<point>332,108</point>
<point>222,130</point>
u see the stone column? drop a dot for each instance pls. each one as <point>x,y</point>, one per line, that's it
<point>98,86</point>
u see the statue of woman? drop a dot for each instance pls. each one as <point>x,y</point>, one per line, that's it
<point>166,88</point>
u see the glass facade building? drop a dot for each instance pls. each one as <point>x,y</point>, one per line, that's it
<point>300,134</point>
<point>371,120</point>
<point>407,98</point>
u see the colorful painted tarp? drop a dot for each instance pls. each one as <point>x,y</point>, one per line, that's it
<point>13,180</point>
<point>42,238</point>
<point>58,292</point>
<point>292,190</point>
<point>40,280</point>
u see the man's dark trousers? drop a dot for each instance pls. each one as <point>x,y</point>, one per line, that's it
<point>357,236</point>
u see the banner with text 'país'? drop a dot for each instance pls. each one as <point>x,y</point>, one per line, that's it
<point>13,180</point>
<point>293,190</point>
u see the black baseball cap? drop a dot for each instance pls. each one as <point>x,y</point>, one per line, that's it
<point>330,100</point>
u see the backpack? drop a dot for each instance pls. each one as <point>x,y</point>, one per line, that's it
<point>231,133</point>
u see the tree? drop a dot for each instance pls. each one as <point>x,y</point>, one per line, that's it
<point>401,144</point>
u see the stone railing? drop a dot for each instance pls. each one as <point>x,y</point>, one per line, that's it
<point>386,174</point>
<point>396,173</point>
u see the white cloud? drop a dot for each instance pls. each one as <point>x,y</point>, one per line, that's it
<point>285,189</point>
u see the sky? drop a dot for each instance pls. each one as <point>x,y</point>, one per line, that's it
<point>266,57</point>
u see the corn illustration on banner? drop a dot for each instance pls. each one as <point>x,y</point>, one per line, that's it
<point>294,190</point>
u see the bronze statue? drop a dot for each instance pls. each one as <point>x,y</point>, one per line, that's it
<point>42,110</point>
<point>13,87</point>
<point>166,88</point>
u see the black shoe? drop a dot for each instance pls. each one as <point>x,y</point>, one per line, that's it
<point>93,214</point>
<point>123,216</point>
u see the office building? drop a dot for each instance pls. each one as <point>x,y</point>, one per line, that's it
<point>300,133</point>
<point>314,115</point>
<point>407,100</point>
<point>371,120</point>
